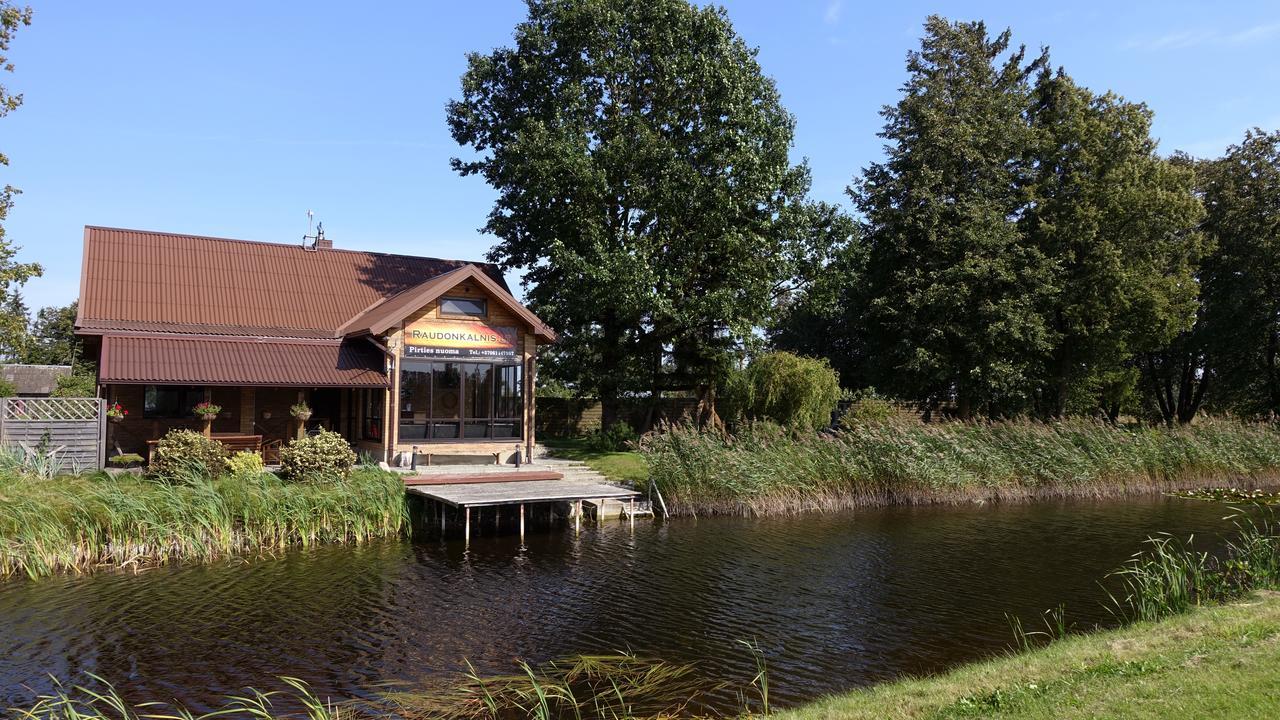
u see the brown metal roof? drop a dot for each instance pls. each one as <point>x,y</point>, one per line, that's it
<point>161,282</point>
<point>207,360</point>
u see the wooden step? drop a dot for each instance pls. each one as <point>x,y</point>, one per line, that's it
<point>474,478</point>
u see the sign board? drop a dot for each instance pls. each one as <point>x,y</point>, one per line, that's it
<point>436,338</point>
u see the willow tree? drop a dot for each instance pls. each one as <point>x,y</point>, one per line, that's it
<point>952,294</point>
<point>13,274</point>
<point>640,156</point>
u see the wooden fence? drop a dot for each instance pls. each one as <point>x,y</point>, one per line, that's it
<point>70,433</point>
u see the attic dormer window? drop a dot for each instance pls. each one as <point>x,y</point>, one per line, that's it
<point>463,307</point>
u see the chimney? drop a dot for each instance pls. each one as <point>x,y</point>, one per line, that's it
<point>322,242</point>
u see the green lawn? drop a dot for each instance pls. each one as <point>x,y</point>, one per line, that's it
<point>1219,662</point>
<point>629,467</point>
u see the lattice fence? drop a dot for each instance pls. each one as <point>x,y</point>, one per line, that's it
<point>68,433</point>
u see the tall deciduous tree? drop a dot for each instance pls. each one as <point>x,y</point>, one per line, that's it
<point>641,161</point>
<point>1118,223</point>
<point>12,273</point>
<point>952,293</point>
<point>1241,278</point>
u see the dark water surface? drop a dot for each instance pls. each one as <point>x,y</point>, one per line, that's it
<point>837,601</point>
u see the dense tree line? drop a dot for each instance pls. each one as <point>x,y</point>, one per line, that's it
<point>1022,248</point>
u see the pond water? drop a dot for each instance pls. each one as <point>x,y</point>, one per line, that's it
<point>836,601</point>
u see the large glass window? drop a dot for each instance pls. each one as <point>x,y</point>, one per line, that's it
<point>170,401</point>
<point>451,401</point>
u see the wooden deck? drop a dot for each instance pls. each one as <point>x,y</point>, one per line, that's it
<point>489,493</point>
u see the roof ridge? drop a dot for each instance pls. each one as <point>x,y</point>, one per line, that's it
<point>281,244</point>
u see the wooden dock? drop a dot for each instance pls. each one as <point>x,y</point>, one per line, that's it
<point>488,493</point>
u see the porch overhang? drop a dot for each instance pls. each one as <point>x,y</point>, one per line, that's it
<point>243,361</point>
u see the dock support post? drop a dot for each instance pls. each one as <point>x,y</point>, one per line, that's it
<point>577,517</point>
<point>441,518</point>
<point>466,532</point>
<point>521,523</point>
<point>631,512</point>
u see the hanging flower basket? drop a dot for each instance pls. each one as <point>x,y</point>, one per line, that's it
<point>302,411</point>
<point>116,413</point>
<point>207,410</point>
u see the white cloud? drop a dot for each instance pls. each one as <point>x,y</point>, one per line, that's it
<point>833,11</point>
<point>1183,39</point>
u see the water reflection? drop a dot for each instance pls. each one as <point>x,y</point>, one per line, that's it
<point>836,601</point>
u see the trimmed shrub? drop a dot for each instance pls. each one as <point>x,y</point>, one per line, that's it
<point>7,389</point>
<point>618,437</point>
<point>184,455</point>
<point>125,460</point>
<point>324,456</point>
<point>797,392</point>
<point>245,463</point>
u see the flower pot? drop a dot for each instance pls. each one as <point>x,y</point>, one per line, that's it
<point>115,418</point>
<point>303,416</point>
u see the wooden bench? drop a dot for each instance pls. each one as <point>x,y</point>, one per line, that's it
<point>233,442</point>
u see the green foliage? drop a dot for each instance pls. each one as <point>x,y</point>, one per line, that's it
<point>7,389</point>
<point>1241,278</point>
<point>323,457</point>
<point>867,406</point>
<point>186,456</point>
<point>126,460</point>
<point>641,162</point>
<point>13,274</point>
<point>76,386</point>
<point>82,522</point>
<point>1118,223</point>
<point>245,463</point>
<point>53,339</point>
<point>797,392</point>
<point>952,292</point>
<point>764,469</point>
<point>1024,249</point>
<point>618,436</point>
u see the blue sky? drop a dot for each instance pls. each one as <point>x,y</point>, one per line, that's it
<point>235,118</point>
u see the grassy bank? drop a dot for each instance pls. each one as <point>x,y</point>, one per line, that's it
<point>76,523</point>
<point>618,466</point>
<point>1218,662</point>
<point>764,470</point>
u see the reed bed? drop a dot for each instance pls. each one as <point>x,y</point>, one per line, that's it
<point>78,523</point>
<point>764,469</point>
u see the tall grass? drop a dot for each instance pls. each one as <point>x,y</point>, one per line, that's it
<point>76,523</point>
<point>764,469</point>
<point>1172,576</point>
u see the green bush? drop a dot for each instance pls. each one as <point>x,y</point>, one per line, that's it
<point>797,392</point>
<point>867,406</point>
<point>617,437</point>
<point>185,455</point>
<point>76,386</point>
<point>245,463</point>
<point>7,389</point>
<point>320,457</point>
